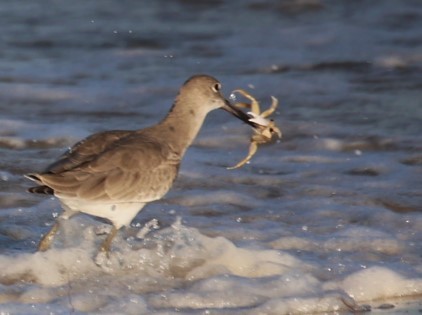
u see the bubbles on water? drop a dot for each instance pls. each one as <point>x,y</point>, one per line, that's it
<point>102,229</point>
<point>177,255</point>
<point>274,67</point>
<point>148,227</point>
<point>4,176</point>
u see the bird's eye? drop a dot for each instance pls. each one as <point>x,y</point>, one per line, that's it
<point>216,87</point>
<point>271,130</point>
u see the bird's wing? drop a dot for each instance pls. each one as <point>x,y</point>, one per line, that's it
<point>86,150</point>
<point>133,169</point>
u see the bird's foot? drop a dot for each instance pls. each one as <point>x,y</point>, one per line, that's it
<point>47,239</point>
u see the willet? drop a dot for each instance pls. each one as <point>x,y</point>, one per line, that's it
<point>113,174</point>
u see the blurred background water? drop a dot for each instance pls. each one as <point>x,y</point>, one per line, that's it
<point>339,195</point>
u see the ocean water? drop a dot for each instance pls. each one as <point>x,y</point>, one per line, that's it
<point>326,220</point>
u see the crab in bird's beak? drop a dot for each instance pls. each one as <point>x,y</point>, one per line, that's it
<point>264,129</point>
<point>239,114</point>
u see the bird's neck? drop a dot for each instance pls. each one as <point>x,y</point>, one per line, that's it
<point>181,126</point>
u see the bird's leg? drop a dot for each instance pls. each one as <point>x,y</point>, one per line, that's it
<point>105,246</point>
<point>47,239</point>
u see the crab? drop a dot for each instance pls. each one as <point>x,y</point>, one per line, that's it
<point>265,128</point>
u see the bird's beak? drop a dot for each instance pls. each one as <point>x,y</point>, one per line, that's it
<point>239,114</point>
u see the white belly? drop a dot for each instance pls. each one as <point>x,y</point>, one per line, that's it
<point>120,214</point>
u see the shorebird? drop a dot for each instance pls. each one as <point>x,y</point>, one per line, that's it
<point>113,174</point>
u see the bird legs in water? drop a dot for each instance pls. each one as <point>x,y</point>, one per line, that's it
<point>48,238</point>
<point>105,246</point>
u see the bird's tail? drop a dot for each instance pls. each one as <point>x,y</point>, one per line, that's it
<point>42,189</point>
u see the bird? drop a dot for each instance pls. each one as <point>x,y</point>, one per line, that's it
<point>114,174</point>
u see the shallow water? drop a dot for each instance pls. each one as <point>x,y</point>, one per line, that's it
<point>326,220</point>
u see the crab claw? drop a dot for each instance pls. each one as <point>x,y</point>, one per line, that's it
<point>239,114</point>
<point>267,126</point>
<point>277,132</point>
<point>258,119</point>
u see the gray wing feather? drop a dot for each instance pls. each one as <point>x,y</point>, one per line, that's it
<point>135,168</point>
<point>86,150</point>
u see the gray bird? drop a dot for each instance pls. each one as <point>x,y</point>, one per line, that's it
<point>113,174</point>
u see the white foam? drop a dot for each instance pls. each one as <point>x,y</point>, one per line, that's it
<point>380,283</point>
<point>53,268</point>
<point>353,239</point>
<point>180,268</point>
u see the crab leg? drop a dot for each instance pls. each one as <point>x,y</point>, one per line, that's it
<point>243,105</point>
<point>254,106</point>
<point>272,108</point>
<point>252,150</point>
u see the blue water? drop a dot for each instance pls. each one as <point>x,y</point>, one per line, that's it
<point>339,195</point>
